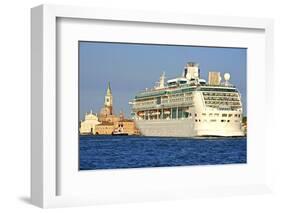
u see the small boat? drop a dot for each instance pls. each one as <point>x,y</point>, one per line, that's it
<point>119,131</point>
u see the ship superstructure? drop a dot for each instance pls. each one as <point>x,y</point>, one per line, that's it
<point>188,106</point>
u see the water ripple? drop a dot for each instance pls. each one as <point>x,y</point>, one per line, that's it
<point>111,152</point>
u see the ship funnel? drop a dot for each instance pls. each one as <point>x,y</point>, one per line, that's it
<point>188,76</point>
<point>191,71</point>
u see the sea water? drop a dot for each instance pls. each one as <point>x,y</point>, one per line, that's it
<point>112,152</point>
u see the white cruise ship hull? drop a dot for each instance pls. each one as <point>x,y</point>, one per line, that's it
<point>188,128</point>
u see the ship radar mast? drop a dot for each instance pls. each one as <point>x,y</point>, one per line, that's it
<point>161,83</point>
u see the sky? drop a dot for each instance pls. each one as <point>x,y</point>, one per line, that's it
<point>131,68</point>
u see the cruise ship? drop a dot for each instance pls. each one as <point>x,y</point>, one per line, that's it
<point>188,106</point>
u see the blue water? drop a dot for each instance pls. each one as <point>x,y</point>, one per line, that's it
<point>112,152</point>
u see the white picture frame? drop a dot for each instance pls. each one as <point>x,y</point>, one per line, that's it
<point>45,165</point>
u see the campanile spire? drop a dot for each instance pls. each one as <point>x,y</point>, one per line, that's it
<point>108,91</point>
<point>108,99</point>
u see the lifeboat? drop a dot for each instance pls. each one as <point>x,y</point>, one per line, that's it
<point>155,113</point>
<point>167,112</point>
<point>140,113</point>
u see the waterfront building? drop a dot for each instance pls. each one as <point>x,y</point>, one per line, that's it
<point>88,126</point>
<point>105,128</point>
<point>106,122</point>
<point>120,125</point>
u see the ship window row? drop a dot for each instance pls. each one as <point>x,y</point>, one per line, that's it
<point>225,120</point>
<point>175,113</point>
<point>179,99</point>
<point>223,102</point>
<point>151,102</point>
<point>210,90</point>
<point>214,120</point>
<point>220,94</point>
<point>237,105</point>
<point>231,107</point>
<point>208,100</point>
<point>178,94</point>
<point>228,106</point>
<point>183,113</point>
<point>217,115</point>
<point>176,99</point>
<point>222,98</point>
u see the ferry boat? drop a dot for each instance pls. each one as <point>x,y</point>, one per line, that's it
<point>188,106</point>
<point>119,132</point>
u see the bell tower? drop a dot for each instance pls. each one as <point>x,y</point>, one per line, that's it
<point>108,99</point>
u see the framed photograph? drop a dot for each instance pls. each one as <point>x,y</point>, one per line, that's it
<point>130,106</point>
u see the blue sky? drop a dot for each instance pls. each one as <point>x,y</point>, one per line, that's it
<point>131,68</point>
